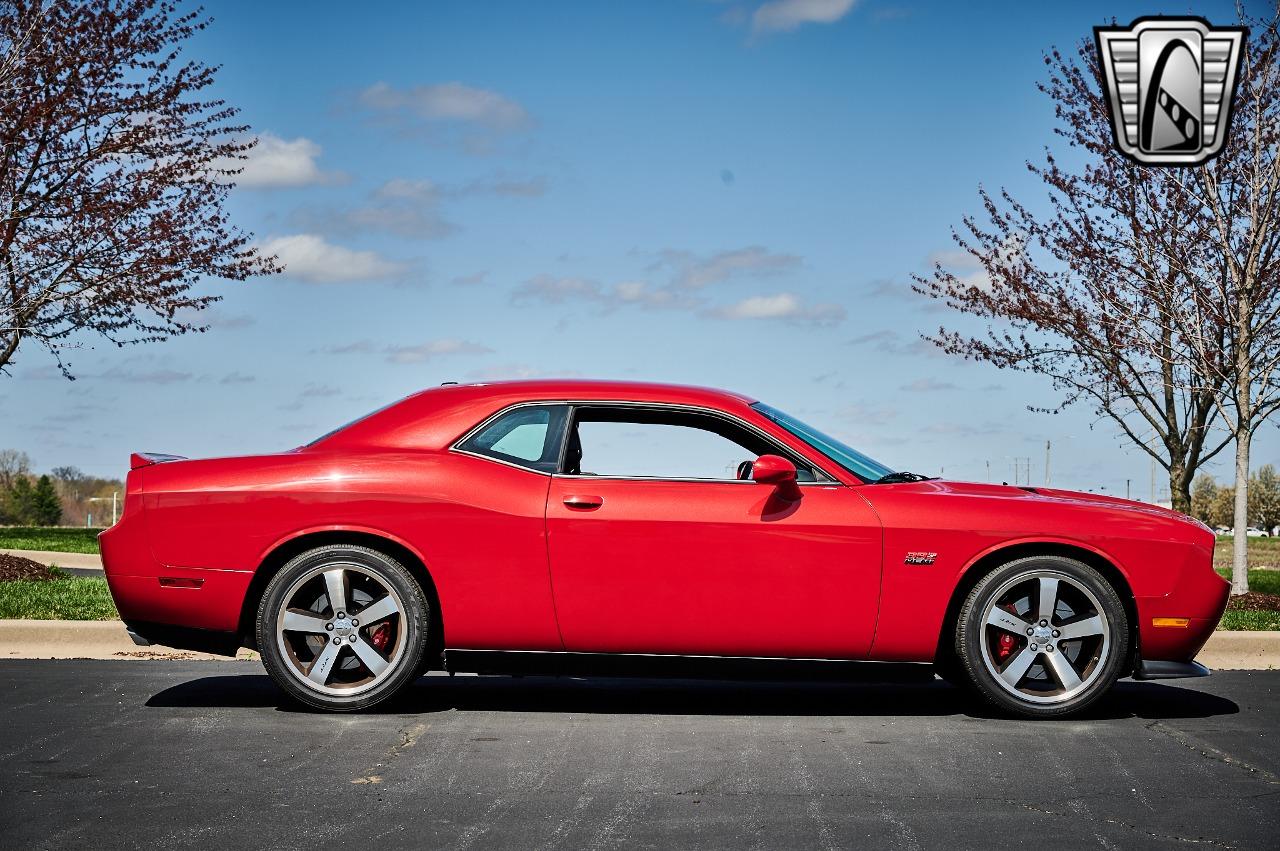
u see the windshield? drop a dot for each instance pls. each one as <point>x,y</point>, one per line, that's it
<point>851,459</point>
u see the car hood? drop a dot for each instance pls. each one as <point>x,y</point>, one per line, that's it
<point>1025,492</point>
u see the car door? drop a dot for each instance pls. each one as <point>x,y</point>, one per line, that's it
<point>657,547</point>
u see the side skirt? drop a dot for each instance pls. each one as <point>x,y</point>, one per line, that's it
<point>565,664</point>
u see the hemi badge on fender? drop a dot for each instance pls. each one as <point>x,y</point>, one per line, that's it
<point>920,558</point>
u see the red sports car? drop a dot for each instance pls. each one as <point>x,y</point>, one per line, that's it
<point>605,519</point>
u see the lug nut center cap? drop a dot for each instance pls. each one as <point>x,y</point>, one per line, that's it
<point>1042,635</point>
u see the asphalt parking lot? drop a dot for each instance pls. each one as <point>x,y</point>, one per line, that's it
<point>204,754</point>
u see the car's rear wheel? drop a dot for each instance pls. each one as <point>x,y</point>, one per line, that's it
<point>1043,636</point>
<point>343,627</point>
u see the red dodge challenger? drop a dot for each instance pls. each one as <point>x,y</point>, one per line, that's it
<point>601,520</point>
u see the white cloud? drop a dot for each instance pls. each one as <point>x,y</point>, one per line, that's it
<point>448,102</point>
<point>412,208</point>
<point>863,414</point>
<point>553,290</point>
<point>319,391</point>
<point>927,385</point>
<point>640,292</point>
<point>359,347</point>
<point>788,15</point>
<point>151,376</point>
<point>550,289</point>
<point>505,187</point>
<point>433,349</point>
<point>697,272</point>
<point>275,162</point>
<point>515,371</point>
<point>892,343</point>
<point>474,279</point>
<point>780,306</point>
<point>411,190</point>
<point>308,257</point>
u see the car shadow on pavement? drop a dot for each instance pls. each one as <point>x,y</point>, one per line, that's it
<point>628,696</point>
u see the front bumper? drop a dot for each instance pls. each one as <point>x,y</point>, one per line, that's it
<point>1156,670</point>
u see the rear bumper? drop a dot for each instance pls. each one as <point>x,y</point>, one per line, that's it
<point>148,591</point>
<point>145,633</point>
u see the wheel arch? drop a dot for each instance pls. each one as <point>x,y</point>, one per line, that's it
<point>283,551</point>
<point>1003,554</point>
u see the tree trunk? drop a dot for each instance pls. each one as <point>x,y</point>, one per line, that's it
<point>1240,546</point>
<point>1180,487</point>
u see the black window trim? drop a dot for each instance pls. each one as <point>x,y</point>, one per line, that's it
<point>823,478</point>
<point>456,446</point>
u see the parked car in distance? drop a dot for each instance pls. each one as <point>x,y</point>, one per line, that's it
<point>470,527</point>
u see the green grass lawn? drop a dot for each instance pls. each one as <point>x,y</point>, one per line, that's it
<point>1263,582</point>
<point>57,599</point>
<point>1237,620</point>
<point>1263,552</point>
<point>50,538</point>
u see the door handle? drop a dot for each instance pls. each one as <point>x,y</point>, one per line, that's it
<point>583,502</point>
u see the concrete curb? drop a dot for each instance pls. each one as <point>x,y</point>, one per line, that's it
<point>26,639</point>
<point>81,561</point>
<point>29,639</point>
<point>1232,650</point>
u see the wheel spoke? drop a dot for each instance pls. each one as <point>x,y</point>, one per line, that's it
<point>1048,598</point>
<point>1016,669</point>
<point>376,611</point>
<point>1006,620</point>
<point>1062,670</point>
<point>335,581</point>
<point>371,658</point>
<point>1081,628</point>
<point>299,622</point>
<point>323,664</point>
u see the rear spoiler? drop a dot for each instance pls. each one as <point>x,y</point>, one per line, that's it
<point>146,459</point>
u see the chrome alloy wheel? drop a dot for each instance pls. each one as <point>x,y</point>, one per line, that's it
<point>340,629</point>
<point>1046,637</point>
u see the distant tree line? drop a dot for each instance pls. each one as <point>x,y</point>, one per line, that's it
<point>64,496</point>
<point>1215,504</point>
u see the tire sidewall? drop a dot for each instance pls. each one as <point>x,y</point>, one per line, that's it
<point>414,621</point>
<point>971,627</point>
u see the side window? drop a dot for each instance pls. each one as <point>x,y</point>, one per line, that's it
<point>528,436</point>
<point>664,444</point>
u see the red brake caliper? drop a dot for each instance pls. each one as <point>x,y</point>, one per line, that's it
<point>381,636</point>
<point>1007,641</point>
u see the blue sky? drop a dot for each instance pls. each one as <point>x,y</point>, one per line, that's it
<point>722,193</point>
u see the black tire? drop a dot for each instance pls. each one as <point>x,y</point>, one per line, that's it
<point>992,655</point>
<point>341,689</point>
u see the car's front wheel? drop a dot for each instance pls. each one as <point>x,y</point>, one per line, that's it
<point>342,627</point>
<point>1043,636</point>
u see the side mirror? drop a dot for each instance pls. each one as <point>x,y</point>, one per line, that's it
<point>777,471</point>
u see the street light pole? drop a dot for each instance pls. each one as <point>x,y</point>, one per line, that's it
<point>115,507</point>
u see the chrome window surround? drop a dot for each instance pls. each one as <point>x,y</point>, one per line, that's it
<point>826,479</point>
